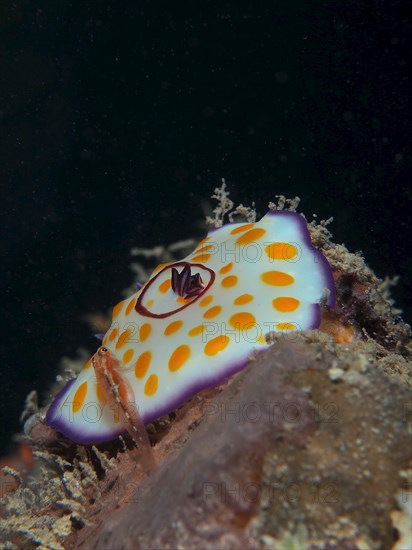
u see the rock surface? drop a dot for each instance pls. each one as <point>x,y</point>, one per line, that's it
<point>286,452</point>
<point>309,447</point>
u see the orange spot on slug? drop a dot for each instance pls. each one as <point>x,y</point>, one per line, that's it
<point>164,287</point>
<point>179,357</point>
<point>113,334</point>
<point>243,299</point>
<point>251,236</point>
<point>277,278</point>
<point>242,228</point>
<point>242,320</point>
<point>205,301</point>
<point>216,345</point>
<point>128,356</point>
<point>281,251</point>
<point>173,327</point>
<point>79,397</point>
<point>196,330</point>
<point>124,338</point>
<point>142,364</point>
<point>131,306</point>
<point>226,268</point>
<point>151,385</point>
<point>118,308</point>
<point>212,312</point>
<point>229,281</point>
<point>285,303</point>
<point>88,364</point>
<point>145,331</point>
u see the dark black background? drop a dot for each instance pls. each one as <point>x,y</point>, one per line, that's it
<point>118,118</point>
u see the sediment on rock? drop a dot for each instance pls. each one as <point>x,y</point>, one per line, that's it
<point>289,450</point>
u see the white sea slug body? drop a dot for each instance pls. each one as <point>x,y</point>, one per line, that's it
<point>194,322</point>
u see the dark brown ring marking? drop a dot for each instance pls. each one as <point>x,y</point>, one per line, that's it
<point>146,313</point>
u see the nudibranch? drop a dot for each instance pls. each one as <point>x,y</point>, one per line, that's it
<point>195,322</point>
